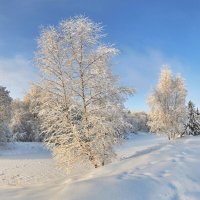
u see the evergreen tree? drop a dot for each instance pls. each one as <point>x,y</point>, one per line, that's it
<point>193,123</point>
<point>5,114</point>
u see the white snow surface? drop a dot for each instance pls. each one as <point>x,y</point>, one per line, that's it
<point>23,164</point>
<point>147,167</point>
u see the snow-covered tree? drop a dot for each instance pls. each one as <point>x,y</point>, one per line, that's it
<point>139,121</point>
<point>5,114</point>
<point>82,104</point>
<point>167,105</point>
<point>24,124</point>
<point>33,99</point>
<point>193,122</point>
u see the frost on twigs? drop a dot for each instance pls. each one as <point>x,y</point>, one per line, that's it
<point>81,104</point>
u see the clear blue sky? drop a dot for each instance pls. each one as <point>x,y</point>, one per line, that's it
<point>148,33</point>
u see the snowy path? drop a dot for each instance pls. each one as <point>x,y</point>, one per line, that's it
<point>148,167</point>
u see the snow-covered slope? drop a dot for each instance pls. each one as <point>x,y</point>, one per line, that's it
<point>148,167</point>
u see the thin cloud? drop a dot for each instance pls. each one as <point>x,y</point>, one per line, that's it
<point>141,71</point>
<point>16,74</point>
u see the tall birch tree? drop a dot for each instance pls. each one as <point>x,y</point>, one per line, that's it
<point>82,103</point>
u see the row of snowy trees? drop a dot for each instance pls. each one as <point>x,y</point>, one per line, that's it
<point>17,121</point>
<point>23,122</point>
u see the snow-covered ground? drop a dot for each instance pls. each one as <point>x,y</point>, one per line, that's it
<point>25,164</point>
<point>148,167</point>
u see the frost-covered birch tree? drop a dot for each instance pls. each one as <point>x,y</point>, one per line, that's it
<point>82,104</point>
<point>167,105</point>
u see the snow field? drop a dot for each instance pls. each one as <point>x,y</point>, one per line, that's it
<point>147,167</point>
<point>26,164</point>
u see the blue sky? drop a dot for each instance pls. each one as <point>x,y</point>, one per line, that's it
<point>147,33</point>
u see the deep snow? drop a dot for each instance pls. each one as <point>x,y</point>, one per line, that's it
<point>148,167</point>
